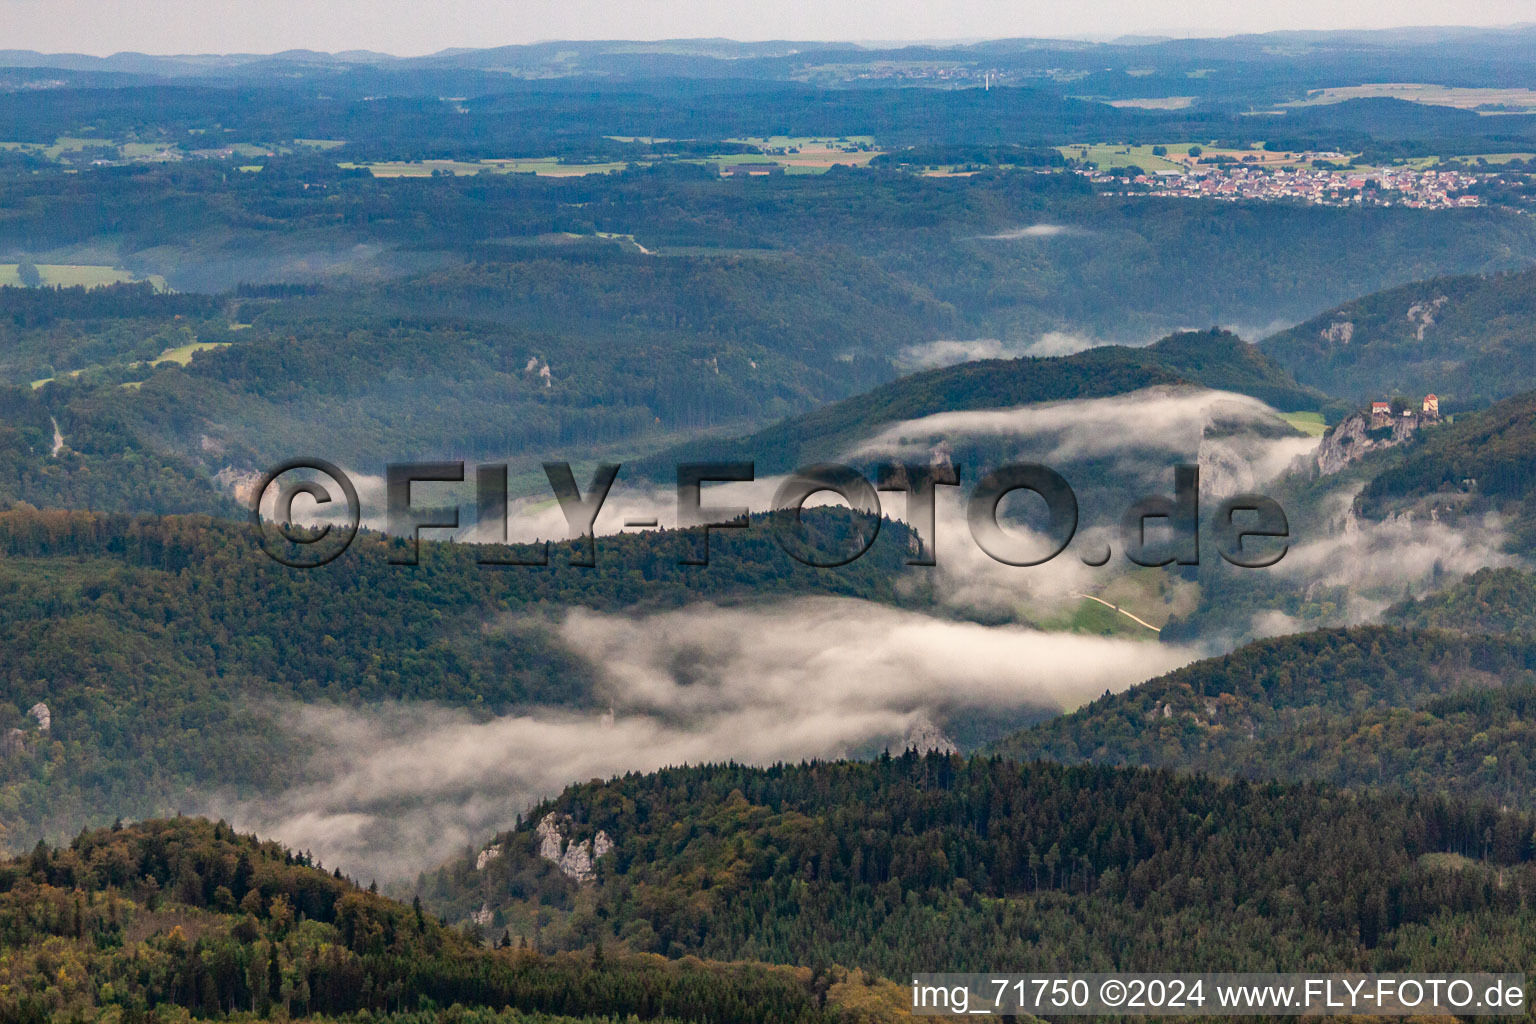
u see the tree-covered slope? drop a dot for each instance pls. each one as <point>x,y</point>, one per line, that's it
<point>1466,339</point>
<point>80,453</point>
<point>181,917</point>
<point>1417,710</point>
<point>1215,359</point>
<point>1487,601</point>
<point>941,863</point>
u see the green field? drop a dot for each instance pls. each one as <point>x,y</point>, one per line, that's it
<point>1468,160</point>
<point>71,274</point>
<point>1309,423</point>
<point>1483,100</point>
<point>1153,102</point>
<point>810,160</point>
<point>1147,594</point>
<point>63,144</point>
<point>182,354</point>
<point>146,151</point>
<point>1111,157</point>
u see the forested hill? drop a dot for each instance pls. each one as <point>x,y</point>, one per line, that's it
<point>1487,601</point>
<point>1215,359</point>
<point>159,644</point>
<point>953,864</point>
<point>1389,708</point>
<point>1466,339</point>
<point>169,918</point>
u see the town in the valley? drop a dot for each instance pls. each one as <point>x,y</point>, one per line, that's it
<point>1387,186</point>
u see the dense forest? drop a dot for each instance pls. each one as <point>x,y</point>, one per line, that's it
<point>185,916</point>
<point>955,864</point>
<point>1394,709</point>
<point>1494,601</point>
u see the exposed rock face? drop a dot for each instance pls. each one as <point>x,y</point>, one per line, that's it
<point>551,839</point>
<point>540,370</point>
<point>241,483</point>
<point>487,855</point>
<point>1354,437</point>
<point>1339,332</point>
<point>41,715</point>
<point>1422,315</point>
<point>925,737</point>
<point>576,860</point>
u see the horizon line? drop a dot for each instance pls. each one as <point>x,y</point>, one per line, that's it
<point>1141,38</point>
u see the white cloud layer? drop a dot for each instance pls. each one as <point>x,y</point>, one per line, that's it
<point>403,787</point>
<point>948,352</point>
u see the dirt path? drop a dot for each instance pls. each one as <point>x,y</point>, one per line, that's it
<point>1122,611</point>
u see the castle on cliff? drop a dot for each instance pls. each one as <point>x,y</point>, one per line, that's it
<point>1381,412</point>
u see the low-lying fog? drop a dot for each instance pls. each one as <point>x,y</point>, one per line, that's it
<point>405,786</point>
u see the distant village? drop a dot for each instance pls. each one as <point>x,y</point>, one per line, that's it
<point>1388,186</point>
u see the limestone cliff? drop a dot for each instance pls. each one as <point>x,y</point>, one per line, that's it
<point>1361,433</point>
<point>578,860</point>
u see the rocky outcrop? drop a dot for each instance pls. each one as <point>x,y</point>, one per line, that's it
<point>1354,437</point>
<point>15,741</point>
<point>241,483</point>
<point>487,855</point>
<point>1339,332</point>
<point>1422,315</point>
<point>926,738</point>
<point>577,860</point>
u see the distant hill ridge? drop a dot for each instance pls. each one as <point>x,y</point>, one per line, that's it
<point>1214,359</point>
<point>1467,339</point>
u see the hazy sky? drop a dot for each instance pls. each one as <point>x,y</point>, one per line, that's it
<point>410,27</point>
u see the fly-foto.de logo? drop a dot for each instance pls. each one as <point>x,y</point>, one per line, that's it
<point>1249,530</point>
